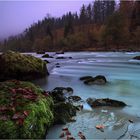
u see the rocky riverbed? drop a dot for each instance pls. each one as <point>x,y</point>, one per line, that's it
<point>122,74</point>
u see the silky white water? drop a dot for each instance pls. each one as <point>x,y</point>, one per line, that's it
<point>123,76</point>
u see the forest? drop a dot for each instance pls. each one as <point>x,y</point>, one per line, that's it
<point>99,26</point>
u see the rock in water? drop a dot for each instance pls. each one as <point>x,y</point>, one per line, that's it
<point>46,56</point>
<point>85,78</point>
<point>105,102</point>
<point>59,93</point>
<point>74,98</point>
<point>63,112</point>
<point>98,80</point>
<point>137,57</point>
<point>21,67</point>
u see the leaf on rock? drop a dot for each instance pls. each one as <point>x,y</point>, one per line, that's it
<point>3,108</point>
<point>4,118</point>
<point>26,113</point>
<point>20,121</point>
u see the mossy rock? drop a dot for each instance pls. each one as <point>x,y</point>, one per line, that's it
<point>63,112</point>
<point>22,67</point>
<point>25,111</point>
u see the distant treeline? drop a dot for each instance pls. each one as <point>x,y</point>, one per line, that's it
<point>101,25</point>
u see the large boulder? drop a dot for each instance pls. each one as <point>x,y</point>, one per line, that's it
<point>105,102</point>
<point>63,112</point>
<point>22,67</point>
<point>26,111</point>
<point>59,94</point>
<point>137,57</point>
<point>98,80</point>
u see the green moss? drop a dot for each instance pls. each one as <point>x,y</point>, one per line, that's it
<point>36,114</point>
<point>22,67</point>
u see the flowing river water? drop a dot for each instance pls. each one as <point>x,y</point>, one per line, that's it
<point>123,75</point>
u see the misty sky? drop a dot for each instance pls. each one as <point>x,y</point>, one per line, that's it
<point>15,16</point>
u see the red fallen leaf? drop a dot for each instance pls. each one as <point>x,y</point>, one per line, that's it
<point>65,129</point>
<point>13,91</point>
<point>12,98</point>
<point>100,126</point>
<point>20,121</point>
<point>28,89</point>
<point>68,132</point>
<point>13,109</point>
<point>4,118</point>
<point>18,116</point>
<point>3,108</point>
<point>46,94</point>
<point>62,135</point>
<point>26,113</point>
<point>31,97</point>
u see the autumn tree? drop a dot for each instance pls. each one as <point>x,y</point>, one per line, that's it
<point>114,30</point>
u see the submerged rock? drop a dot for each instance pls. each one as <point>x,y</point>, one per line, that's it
<point>46,56</point>
<point>137,57</point>
<point>63,112</point>
<point>98,80</point>
<point>105,102</point>
<point>26,111</point>
<point>60,57</point>
<point>22,67</point>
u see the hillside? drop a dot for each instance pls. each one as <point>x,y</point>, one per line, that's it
<point>100,26</point>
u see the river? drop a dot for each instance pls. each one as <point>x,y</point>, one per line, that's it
<point>123,76</point>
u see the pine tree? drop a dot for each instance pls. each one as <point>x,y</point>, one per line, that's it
<point>89,13</point>
<point>83,17</point>
<point>68,29</point>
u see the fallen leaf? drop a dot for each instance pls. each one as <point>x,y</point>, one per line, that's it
<point>26,113</point>
<point>4,118</point>
<point>100,126</point>
<point>20,121</point>
<point>62,135</point>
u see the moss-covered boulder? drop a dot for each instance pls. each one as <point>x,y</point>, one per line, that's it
<point>22,67</point>
<point>25,110</point>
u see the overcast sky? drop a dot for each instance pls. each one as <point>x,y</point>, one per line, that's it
<point>15,16</point>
